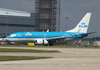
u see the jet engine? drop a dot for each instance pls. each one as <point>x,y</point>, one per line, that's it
<point>41,41</point>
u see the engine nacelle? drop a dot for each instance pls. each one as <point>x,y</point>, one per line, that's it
<point>41,41</point>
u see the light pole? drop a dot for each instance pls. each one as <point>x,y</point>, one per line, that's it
<point>6,22</point>
<point>66,23</point>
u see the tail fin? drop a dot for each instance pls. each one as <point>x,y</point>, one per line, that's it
<point>82,25</point>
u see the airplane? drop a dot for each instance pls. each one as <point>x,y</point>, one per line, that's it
<point>48,38</point>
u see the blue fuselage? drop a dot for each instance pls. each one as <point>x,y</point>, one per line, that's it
<point>45,35</point>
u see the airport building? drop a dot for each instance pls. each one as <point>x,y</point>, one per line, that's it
<point>15,21</point>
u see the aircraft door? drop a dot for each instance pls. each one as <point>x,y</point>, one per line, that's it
<point>19,35</point>
<point>44,36</point>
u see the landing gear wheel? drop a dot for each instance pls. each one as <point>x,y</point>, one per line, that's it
<point>50,44</point>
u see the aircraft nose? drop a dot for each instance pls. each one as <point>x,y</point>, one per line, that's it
<point>8,37</point>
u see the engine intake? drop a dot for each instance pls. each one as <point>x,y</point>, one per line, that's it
<point>41,41</point>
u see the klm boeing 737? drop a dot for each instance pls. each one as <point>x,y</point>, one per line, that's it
<point>48,38</point>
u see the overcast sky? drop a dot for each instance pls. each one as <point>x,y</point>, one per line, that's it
<point>73,9</point>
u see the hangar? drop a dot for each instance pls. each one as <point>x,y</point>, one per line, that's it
<point>15,21</point>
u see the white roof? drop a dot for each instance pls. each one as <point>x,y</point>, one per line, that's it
<point>14,13</point>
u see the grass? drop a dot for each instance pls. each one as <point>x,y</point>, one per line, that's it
<point>68,47</point>
<point>25,50</point>
<point>14,46</point>
<point>9,58</point>
<point>41,46</point>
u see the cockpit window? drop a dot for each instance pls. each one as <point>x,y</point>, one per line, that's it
<point>12,35</point>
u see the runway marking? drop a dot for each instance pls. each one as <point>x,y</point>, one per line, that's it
<point>75,64</point>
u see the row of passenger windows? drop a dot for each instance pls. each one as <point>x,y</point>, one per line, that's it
<point>42,35</point>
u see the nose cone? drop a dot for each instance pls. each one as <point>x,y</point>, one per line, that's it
<point>7,37</point>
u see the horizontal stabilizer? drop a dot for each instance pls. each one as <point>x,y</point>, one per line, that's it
<point>88,33</point>
<point>3,37</point>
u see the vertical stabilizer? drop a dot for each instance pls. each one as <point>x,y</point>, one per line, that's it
<point>82,25</point>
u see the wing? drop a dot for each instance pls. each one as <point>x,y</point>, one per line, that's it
<point>58,38</point>
<point>63,37</point>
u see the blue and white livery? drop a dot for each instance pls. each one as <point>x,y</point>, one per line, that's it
<point>80,31</point>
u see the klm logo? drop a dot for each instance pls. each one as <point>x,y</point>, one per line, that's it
<point>83,25</point>
<point>28,34</point>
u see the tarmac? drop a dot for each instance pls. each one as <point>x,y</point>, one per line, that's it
<point>66,59</point>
